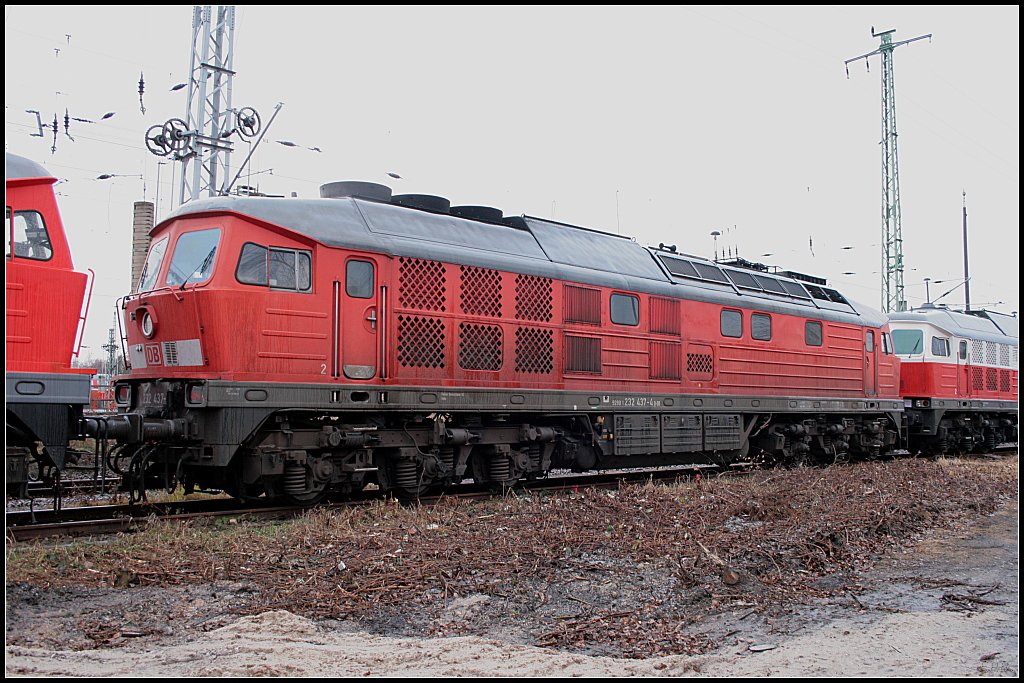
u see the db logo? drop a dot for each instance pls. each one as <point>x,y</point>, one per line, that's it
<point>153,354</point>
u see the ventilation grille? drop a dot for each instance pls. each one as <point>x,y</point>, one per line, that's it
<point>421,284</point>
<point>481,291</point>
<point>582,354</point>
<point>990,353</point>
<point>666,360</point>
<point>976,352</point>
<point>665,316</point>
<point>991,379</point>
<point>1013,362</point>
<point>479,347</point>
<point>421,342</point>
<point>700,363</point>
<point>170,354</point>
<point>582,305</point>
<point>1004,355</point>
<point>534,350</point>
<point>978,378</point>
<point>1004,381</point>
<point>533,298</point>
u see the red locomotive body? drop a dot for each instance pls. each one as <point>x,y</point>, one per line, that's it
<point>286,346</point>
<point>43,312</point>
<point>958,377</point>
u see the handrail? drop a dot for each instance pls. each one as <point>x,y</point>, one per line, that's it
<point>80,332</point>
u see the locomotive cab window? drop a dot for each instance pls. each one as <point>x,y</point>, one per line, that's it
<point>940,346</point>
<point>886,344</point>
<point>27,236</point>
<point>963,350</point>
<point>359,279</point>
<point>812,333</point>
<point>193,257</point>
<point>908,342</point>
<point>732,323</point>
<point>280,269</point>
<point>290,270</point>
<point>761,327</point>
<point>869,342</point>
<point>625,309</point>
<point>147,280</point>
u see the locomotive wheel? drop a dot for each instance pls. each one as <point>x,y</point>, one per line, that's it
<point>308,498</point>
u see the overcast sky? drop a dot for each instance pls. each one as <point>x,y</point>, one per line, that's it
<point>659,123</point>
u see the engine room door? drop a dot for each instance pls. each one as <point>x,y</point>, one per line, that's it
<point>360,319</point>
<point>870,364</point>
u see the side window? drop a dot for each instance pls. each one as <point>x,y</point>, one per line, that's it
<point>27,236</point>
<point>812,333</point>
<point>252,265</point>
<point>869,342</point>
<point>761,327</point>
<point>886,344</point>
<point>359,279</point>
<point>963,350</point>
<point>280,269</point>
<point>625,309</point>
<point>940,346</point>
<point>732,323</point>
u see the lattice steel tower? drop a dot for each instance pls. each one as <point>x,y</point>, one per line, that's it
<point>893,297</point>
<point>207,171</point>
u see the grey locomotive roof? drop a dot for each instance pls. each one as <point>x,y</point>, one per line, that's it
<point>544,248</point>
<point>20,167</point>
<point>979,325</point>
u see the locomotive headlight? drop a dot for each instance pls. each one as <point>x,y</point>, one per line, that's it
<point>147,325</point>
<point>123,395</point>
<point>196,394</point>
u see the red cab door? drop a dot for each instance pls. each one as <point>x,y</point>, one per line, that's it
<point>870,364</point>
<point>360,319</point>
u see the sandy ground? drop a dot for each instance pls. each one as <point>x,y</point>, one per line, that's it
<point>946,606</point>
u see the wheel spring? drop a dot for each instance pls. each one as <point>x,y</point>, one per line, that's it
<point>499,469</point>
<point>407,475</point>
<point>447,458</point>
<point>535,450</point>
<point>990,440</point>
<point>294,478</point>
<point>942,446</point>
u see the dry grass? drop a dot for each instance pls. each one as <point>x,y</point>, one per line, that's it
<point>776,532</point>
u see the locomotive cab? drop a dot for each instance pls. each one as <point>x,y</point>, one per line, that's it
<point>222,299</point>
<point>44,309</point>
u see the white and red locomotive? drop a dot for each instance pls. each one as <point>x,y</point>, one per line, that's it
<point>958,377</point>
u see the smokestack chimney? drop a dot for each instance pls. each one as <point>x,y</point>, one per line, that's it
<point>141,225</point>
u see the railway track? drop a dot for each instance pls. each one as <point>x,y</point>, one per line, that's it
<point>105,519</point>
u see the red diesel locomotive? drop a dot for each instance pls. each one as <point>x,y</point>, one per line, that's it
<point>45,396</point>
<point>288,347</point>
<point>958,377</point>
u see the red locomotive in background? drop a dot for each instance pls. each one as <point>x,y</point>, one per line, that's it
<point>287,347</point>
<point>45,396</point>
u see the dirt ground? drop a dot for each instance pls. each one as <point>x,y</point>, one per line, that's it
<point>941,602</point>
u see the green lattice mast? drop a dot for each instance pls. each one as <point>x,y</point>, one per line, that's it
<point>893,297</point>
